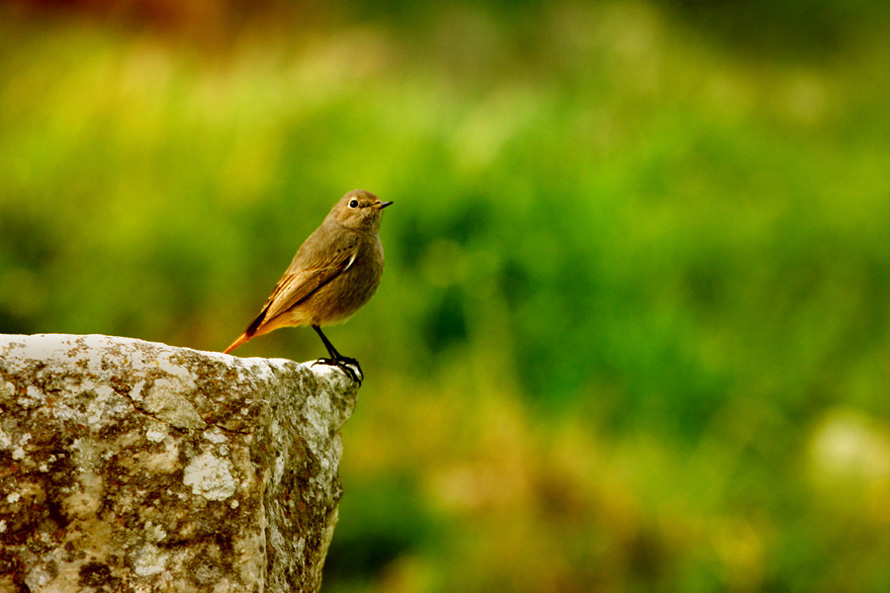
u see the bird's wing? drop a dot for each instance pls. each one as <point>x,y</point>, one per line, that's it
<point>314,266</point>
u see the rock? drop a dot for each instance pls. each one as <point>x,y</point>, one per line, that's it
<point>130,466</point>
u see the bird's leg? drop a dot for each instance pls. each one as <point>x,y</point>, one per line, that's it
<point>332,352</point>
<point>337,359</point>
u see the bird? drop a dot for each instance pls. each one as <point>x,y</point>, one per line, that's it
<point>334,274</point>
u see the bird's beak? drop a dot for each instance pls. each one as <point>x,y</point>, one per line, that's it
<point>382,205</point>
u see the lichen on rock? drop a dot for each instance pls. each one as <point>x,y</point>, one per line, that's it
<point>134,466</point>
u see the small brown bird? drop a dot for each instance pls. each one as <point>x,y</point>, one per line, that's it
<point>335,272</point>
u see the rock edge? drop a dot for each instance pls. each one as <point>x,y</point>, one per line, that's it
<point>128,465</point>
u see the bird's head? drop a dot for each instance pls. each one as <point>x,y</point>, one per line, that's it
<point>359,210</point>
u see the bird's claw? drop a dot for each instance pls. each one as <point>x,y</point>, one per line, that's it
<point>349,365</point>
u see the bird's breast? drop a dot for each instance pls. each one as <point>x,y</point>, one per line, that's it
<point>340,298</point>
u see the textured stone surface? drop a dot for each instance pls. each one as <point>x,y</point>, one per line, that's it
<point>129,466</point>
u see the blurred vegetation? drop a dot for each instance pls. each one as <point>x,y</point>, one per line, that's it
<point>633,332</point>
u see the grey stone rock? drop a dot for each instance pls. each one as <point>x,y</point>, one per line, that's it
<point>130,466</point>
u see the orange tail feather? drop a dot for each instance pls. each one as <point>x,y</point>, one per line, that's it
<point>241,339</point>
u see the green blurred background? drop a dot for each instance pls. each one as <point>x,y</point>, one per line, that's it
<point>633,331</point>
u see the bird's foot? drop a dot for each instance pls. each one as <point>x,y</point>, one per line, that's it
<point>349,365</point>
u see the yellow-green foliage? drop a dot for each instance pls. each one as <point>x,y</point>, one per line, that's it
<point>633,330</point>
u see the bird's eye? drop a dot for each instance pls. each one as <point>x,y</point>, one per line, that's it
<point>353,203</point>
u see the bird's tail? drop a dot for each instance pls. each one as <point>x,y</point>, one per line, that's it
<point>241,339</point>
